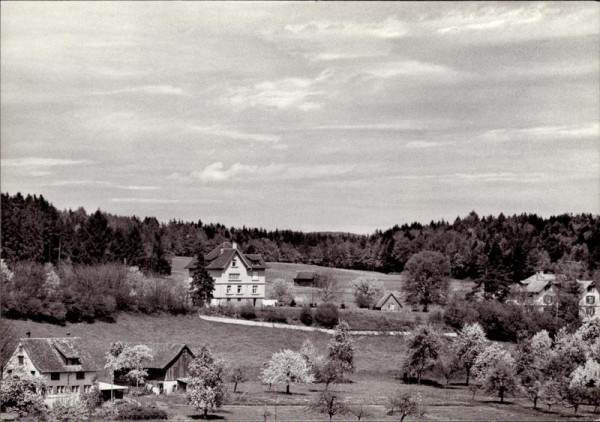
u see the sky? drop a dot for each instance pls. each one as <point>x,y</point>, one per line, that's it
<point>310,116</point>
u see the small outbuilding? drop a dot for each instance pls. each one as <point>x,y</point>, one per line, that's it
<point>305,278</point>
<point>389,302</point>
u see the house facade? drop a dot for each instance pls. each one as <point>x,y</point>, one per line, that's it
<point>61,361</point>
<point>389,302</point>
<point>540,291</point>
<point>239,278</point>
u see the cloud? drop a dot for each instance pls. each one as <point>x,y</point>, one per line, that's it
<point>543,133</point>
<point>234,134</point>
<point>280,94</point>
<point>101,183</point>
<point>41,162</point>
<point>146,200</point>
<point>216,172</point>
<point>422,144</point>
<point>501,177</point>
<point>409,67</point>
<point>389,28</point>
<point>405,125</point>
<point>148,89</point>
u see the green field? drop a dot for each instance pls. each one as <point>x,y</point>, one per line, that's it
<point>377,360</point>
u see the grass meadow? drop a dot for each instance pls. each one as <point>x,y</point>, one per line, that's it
<point>377,360</point>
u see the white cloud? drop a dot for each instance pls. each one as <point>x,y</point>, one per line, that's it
<point>543,133</point>
<point>234,134</point>
<point>281,94</point>
<point>422,144</point>
<point>409,67</point>
<point>41,162</point>
<point>101,183</point>
<point>146,200</point>
<point>389,28</point>
<point>148,89</point>
<point>501,177</point>
<point>216,172</point>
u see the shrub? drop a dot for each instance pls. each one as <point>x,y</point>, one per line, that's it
<point>306,316</point>
<point>68,409</point>
<point>248,312</point>
<point>134,412</point>
<point>327,315</point>
<point>273,315</point>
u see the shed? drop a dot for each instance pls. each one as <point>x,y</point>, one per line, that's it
<point>389,302</point>
<point>305,278</point>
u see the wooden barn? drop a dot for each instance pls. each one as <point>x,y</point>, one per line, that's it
<point>305,278</point>
<point>389,302</point>
<point>169,365</point>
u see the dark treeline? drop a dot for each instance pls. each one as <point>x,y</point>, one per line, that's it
<point>497,250</point>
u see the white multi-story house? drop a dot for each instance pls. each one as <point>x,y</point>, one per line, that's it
<point>239,278</point>
<point>61,361</point>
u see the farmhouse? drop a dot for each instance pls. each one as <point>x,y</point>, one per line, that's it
<point>389,302</point>
<point>239,278</point>
<point>540,291</point>
<point>167,369</point>
<point>305,278</point>
<point>61,361</point>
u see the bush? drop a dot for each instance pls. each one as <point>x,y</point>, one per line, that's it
<point>274,315</point>
<point>306,316</point>
<point>248,312</point>
<point>134,412</point>
<point>327,315</point>
<point>68,409</point>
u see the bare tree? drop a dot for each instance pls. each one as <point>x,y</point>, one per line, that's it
<point>331,289</point>
<point>330,404</point>
<point>359,411</point>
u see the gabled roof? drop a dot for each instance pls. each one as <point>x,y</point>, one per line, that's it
<point>539,276</point>
<point>586,284</point>
<point>385,297</point>
<point>538,285</point>
<point>163,353</point>
<point>50,354</point>
<point>305,275</point>
<point>219,258</point>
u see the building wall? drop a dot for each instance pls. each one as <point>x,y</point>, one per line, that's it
<point>391,305</point>
<point>590,310</point>
<point>238,277</point>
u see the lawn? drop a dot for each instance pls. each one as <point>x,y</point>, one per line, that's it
<point>376,359</point>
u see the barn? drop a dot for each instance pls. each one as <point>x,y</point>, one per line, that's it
<point>389,302</point>
<point>305,278</point>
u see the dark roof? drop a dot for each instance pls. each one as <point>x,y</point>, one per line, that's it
<point>586,284</point>
<point>219,257</point>
<point>305,275</point>
<point>537,277</point>
<point>50,354</point>
<point>164,353</point>
<point>385,297</point>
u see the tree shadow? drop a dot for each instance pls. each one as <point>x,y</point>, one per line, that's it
<point>210,417</point>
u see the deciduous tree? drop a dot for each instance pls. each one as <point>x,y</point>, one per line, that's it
<point>495,370</point>
<point>366,292</point>
<point>423,350</point>
<point>286,367</point>
<point>426,278</point>
<point>341,347</point>
<point>470,342</point>
<point>206,388</point>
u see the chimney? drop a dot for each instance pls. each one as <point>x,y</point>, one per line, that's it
<point>28,334</point>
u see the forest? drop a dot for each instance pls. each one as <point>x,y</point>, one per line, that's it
<point>509,248</point>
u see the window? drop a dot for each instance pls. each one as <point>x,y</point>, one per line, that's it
<point>21,361</point>
<point>9,371</point>
<point>228,291</point>
<point>234,276</point>
<point>228,299</point>
<point>73,361</point>
<point>239,290</point>
<point>590,300</point>
<point>254,290</point>
<point>33,373</point>
<point>50,390</point>
<point>55,376</point>
<point>239,299</point>
<point>80,376</point>
<point>548,299</point>
<point>590,311</point>
<point>75,389</point>
<point>60,389</point>
<point>234,262</point>
<point>254,275</point>
<point>87,388</point>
